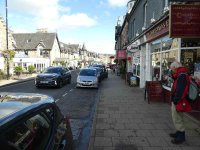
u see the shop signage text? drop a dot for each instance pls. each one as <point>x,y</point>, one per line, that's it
<point>185,20</point>
<point>157,31</point>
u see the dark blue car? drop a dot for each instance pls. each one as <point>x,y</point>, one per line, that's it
<point>53,77</point>
<point>32,122</point>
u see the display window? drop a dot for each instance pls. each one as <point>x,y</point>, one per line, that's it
<point>136,63</point>
<point>164,52</point>
<point>190,57</point>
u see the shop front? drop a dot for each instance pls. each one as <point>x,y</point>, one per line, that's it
<point>166,45</point>
<point>133,61</point>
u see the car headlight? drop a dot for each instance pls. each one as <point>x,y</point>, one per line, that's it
<point>95,80</point>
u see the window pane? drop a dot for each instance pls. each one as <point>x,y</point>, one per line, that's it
<point>19,137</point>
<point>40,126</point>
<point>168,58</point>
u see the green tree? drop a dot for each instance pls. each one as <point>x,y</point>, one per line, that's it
<point>31,69</point>
<point>62,63</point>
<point>18,70</point>
<point>8,55</point>
<point>116,61</point>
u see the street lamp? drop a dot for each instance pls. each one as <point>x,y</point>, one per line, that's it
<point>7,55</point>
<point>6,24</point>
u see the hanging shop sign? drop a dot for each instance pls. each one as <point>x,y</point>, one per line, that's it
<point>184,20</point>
<point>133,47</point>
<point>121,54</point>
<point>158,30</point>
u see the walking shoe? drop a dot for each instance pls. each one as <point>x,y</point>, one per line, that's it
<point>180,138</point>
<point>173,135</point>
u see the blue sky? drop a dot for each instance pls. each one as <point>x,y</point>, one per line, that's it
<point>76,21</point>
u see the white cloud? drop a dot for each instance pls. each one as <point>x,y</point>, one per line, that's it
<point>118,3</point>
<point>76,20</point>
<point>49,14</point>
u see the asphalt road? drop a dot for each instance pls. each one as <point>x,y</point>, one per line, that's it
<point>77,104</point>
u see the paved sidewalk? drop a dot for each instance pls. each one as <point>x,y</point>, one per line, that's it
<point>124,121</point>
<point>16,79</point>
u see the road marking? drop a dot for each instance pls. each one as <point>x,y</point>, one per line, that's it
<point>57,100</point>
<point>65,94</point>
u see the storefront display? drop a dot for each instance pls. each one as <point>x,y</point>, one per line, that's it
<point>164,52</point>
<point>136,63</point>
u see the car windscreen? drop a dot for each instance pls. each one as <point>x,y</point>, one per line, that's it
<point>87,72</point>
<point>52,70</point>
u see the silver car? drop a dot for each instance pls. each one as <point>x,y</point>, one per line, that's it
<point>88,78</point>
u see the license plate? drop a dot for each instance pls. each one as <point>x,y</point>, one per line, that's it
<point>43,81</point>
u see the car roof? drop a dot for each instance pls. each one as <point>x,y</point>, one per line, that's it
<point>55,67</point>
<point>16,104</point>
<point>88,69</point>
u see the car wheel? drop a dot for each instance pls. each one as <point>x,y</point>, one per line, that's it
<point>69,80</point>
<point>60,84</point>
<point>37,86</point>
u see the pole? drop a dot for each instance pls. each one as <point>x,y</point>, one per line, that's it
<point>6,25</point>
<point>8,67</point>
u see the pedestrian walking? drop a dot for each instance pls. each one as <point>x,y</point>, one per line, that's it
<point>179,101</point>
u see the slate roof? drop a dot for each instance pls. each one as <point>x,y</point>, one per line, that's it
<point>69,48</point>
<point>30,41</point>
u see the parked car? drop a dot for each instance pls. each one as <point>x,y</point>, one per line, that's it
<point>88,77</point>
<point>53,76</point>
<point>104,70</point>
<point>33,121</point>
<point>99,71</point>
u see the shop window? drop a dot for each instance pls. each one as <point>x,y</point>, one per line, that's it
<point>164,52</point>
<point>156,66</point>
<point>138,70</point>
<point>167,59</point>
<point>188,58</point>
<point>190,43</point>
<point>134,69</point>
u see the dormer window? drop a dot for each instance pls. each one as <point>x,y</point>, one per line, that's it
<point>28,41</point>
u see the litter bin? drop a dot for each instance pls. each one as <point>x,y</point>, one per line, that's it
<point>133,81</point>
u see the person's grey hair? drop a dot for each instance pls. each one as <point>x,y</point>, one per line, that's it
<point>175,64</point>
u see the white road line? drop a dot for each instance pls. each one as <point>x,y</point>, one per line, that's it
<point>57,100</point>
<point>65,94</point>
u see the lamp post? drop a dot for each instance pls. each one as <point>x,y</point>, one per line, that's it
<point>6,24</point>
<point>7,58</point>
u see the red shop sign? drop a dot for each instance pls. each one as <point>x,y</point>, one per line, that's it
<point>121,54</point>
<point>184,20</point>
